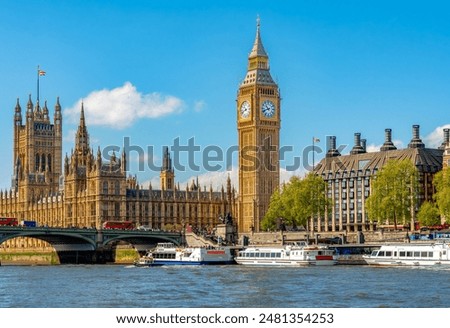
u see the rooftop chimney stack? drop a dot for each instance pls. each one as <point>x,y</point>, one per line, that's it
<point>332,151</point>
<point>364,145</point>
<point>416,142</point>
<point>446,139</point>
<point>357,149</point>
<point>388,144</point>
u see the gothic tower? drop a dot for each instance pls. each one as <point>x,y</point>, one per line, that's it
<point>37,151</point>
<point>446,147</point>
<point>258,123</point>
<point>167,175</point>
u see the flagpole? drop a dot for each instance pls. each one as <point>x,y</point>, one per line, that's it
<point>38,83</point>
<point>313,141</point>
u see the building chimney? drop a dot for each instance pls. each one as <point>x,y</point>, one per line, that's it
<point>388,144</point>
<point>357,149</point>
<point>332,151</point>
<point>446,139</point>
<point>416,142</point>
<point>364,145</point>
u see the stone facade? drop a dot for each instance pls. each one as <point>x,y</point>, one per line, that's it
<point>349,177</point>
<point>87,190</point>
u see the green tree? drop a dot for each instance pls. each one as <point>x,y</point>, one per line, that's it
<point>442,196</point>
<point>394,192</point>
<point>298,201</point>
<point>428,214</point>
<point>274,212</point>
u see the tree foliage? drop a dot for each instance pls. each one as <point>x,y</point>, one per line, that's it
<point>297,202</point>
<point>428,214</point>
<point>442,196</point>
<point>394,192</point>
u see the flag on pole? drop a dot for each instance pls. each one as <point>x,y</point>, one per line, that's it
<point>41,73</point>
<point>316,139</point>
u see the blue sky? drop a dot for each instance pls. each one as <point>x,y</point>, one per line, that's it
<point>160,71</point>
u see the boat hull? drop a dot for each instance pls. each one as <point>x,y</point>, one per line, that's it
<point>392,262</point>
<point>285,263</point>
<point>175,262</point>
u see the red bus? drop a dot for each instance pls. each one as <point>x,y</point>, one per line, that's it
<point>124,225</point>
<point>9,222</point>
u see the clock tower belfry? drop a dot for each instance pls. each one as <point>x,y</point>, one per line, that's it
<point>258,124</point>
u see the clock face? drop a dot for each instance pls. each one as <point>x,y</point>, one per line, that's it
<point>268,108</point>
<point>245,109</point>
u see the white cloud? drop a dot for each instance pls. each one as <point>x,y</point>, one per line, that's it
<point>199,105</point>
<point>216,179</point>
<point>70,136</point>
<point>285,175</point>
<point>155,182</point>
<point>219,179</point>
<point>435,138</point>
<point>372,148</point>
<point>119,108</point>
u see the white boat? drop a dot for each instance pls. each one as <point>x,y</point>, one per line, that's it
<point>413,254</point>
<point>169,254</point>
<point>298,254</point>
<point>145,261</point>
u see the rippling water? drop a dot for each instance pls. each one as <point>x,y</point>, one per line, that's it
<point>111,286</point>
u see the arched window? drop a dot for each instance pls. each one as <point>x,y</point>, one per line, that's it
<point>38,160</point>
<point>117,210</point>
<point>43,162</point>
<point>105,187</point>
<point>49,162</point>
<point>117,188</point>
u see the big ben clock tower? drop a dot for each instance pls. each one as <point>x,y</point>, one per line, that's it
<point>258,123</point>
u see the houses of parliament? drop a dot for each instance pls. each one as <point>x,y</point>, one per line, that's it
<point>82,189</point>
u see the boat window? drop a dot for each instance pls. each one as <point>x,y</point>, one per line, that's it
<point>430,254</point>
<point>374,253</point>
<point>272,255</point>
<point>402,254</point>
<point>381,253</point>
<point>256,254</point>
<point>267,255</point>
<point>409,254</point>
<point>395,254</point>
<point>278,254</point>
<point>424,254</point>
<point>444,252</point>
<point>416,254</point>
<point>389,253</point>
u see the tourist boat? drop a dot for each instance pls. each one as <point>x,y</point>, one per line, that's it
<point>297,254</point>
<point>169,254</point>
<point>145,261</point>
<point>413,254</point>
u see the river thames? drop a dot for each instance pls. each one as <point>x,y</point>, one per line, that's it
<point>232,286</point>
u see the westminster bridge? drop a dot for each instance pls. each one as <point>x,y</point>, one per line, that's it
<point>77,245</point>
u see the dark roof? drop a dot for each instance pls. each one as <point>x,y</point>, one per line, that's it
<point>426,160</point>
